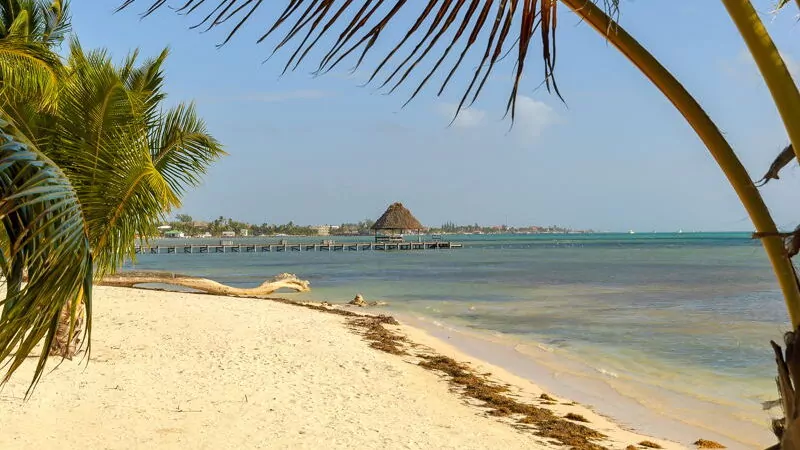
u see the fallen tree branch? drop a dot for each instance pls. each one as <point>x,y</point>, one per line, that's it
<point>131,279</point>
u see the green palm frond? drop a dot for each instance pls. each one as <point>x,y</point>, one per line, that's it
<point>103,149</point>
<point>29,72</point>
<point>148,81</point>
<point>122,196</point>
<point>56,22</point>
<point>37,21</point>
<point>129,163</point>
<point>182,149</point>
<point>494,27</point>
<point>95,163</point>
<point>43,231</point>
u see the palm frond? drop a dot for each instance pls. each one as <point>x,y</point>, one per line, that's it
<point>56,23</point>
<point>129,163</point>
<point>357,26</point>
<point>29,72</point>
<point>103,148</point>
<point>43,231</point>
<point>146,80</point>
<point>41,21</point>
<point>122,197</point>
<point>782,3</point>
<point>182,149</point>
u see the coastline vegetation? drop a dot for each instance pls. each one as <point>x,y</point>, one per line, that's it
<point>91,157</point>
<point>185,224</point>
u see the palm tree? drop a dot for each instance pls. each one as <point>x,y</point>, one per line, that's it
<point>99,130</point>
<point>358,25</point>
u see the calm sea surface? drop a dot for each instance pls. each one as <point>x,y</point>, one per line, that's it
<point>658,317</point>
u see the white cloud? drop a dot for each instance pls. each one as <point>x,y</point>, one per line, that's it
<point>467,118</point>
<point>533,116</point>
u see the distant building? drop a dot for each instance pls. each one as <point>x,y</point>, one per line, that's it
<point>174,234</point>
<point>323,230</point>
<point>244,232</point>
<point>229,234</point>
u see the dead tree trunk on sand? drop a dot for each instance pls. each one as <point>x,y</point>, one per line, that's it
<point>788,429</point>
<point>131,279</point>
<point>66,344</point>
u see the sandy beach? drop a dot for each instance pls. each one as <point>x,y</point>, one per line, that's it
<point>178,370</point>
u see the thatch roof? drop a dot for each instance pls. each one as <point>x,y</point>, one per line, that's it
<point>397,217</point>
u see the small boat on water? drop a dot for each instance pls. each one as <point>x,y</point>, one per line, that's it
<point>631,232</point>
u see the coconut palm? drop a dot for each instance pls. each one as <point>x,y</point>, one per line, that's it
<point>98,132</point>
<point>500,27</point>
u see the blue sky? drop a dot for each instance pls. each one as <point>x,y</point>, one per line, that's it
<point>616,156</point>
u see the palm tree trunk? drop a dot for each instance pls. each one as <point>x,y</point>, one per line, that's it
<point>67,340</point>
<point>713,139</point>
<point>787,430</point>
<point>770,63</point>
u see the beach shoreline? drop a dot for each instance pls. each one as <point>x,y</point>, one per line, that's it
<point>170,368</point>
<point>529,363</point>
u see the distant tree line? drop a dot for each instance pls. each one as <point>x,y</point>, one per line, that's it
<point>452,228</point>
<point>186,224</point>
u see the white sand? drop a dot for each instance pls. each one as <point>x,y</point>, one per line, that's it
<point>176,370</point>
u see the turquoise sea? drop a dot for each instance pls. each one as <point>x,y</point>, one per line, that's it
<point>677,323</point>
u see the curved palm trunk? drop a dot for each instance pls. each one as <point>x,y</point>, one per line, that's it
<point>770,63</point>
<point>787,430</point>
<point>713,139</point>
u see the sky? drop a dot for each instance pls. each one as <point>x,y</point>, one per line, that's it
<point>613,156</point>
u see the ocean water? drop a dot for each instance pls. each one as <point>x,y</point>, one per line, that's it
<point>678,323</point>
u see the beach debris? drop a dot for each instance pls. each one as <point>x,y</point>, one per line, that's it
<point>580,418</point>
<point>784,157</point>
<point>543,421</point>
<point>358,301</point>
<point>547,398</point>
<point>631,447</point>
<point>787,429</point>
<point>649,444</point>
<point>268,287</point>
<point>703,443</point>
<point>769,404</point>
<point>373,330</point>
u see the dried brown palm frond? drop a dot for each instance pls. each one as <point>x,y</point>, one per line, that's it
<point>499,27</point>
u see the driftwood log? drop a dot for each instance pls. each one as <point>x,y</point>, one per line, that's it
<point>788,429</point>
<point>133,278</point>
<point>66,344</point>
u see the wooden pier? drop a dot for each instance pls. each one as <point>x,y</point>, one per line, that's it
<point>293,247</point>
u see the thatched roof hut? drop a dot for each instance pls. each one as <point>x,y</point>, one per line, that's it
<point>397,218</point>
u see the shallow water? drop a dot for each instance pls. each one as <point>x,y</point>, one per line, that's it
<point>680,323</point>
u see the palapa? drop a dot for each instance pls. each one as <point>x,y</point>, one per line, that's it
<point>397,218</point>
